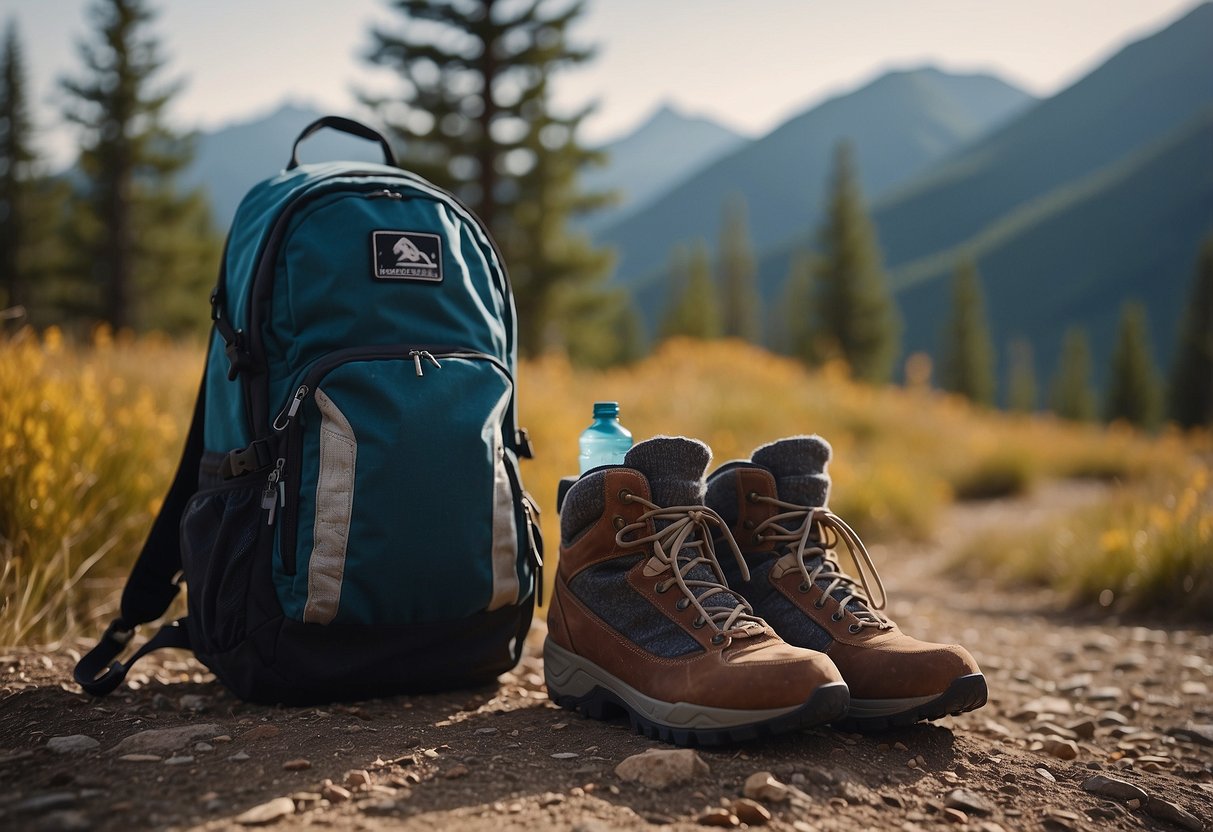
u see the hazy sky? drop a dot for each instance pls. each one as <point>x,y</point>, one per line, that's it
<point>748,63</point>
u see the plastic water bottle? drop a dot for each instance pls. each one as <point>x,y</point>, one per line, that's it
<point>605,441</point>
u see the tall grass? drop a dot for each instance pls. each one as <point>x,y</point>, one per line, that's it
<point>90,435</point>
<point>1147,549</point>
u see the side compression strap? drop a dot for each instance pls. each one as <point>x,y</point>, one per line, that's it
<point>152,585</point>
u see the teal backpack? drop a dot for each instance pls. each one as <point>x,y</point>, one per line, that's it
<point>348,514</point>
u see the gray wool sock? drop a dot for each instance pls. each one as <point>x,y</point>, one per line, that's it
<point>799,465</point>
<point>674,467</point>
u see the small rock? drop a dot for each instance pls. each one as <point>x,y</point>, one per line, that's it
<point>1192,688</point>
<point>486,730</point>
<point>221,738</point>
<point>1046,775</point>
<point>160,702</point>
<point>1104,694</point>
<point>358,780</point>
<point>1083,729</point>
<point>261,732</point>
<point>1056,730</point>
<point>718,817</point>
<point>1062,749</point>
<point>751,812</point>
<point>893,800</point>
<point>662,768</point>
<point>762,785</point>
<point>203,747</point>
<point>1168,811</point>
<point>1106,718</point>
<point>279,807</point>
<point>164,740</point>
<point>456,771</point>
<point>66,820</point>
<point>1047,705</point>
<point>382,806</point>
<point>194,702</point>
<point>299,764</point>
<point>1199,733</point>
<point>334,793</point>
<point>239,757</point>
<point>44,802</point>
<point>1113,788</point>
<point>565,755</point>
<point>550,799</point>
<point>141,758</point>
<point>1134,804</point>
<point>183,760</point>
<point>955,815</point>
<point>967,801</point>
<point>74,744</point>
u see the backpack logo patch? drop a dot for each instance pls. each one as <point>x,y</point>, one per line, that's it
<point>407,255</point>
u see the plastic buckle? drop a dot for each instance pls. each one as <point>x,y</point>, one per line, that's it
<point>246,460</point>
<point>522,440</point>
<point>237,359</point>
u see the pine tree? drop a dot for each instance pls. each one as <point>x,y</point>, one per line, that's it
<point>16,158</point>
<point>966,363</point>
<point>1133,393</point>
<point>146,244</point>
<point>799,320</point>
<point>1021,378</point>
<point>691,310</point>
<point>738,277</point>
<point>1190,392</point>
<point>857,316</point>
<point>1071,396</point>
<point>477,120</point>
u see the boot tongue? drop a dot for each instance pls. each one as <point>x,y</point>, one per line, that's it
<point>799,466</point>
<point>674,467</point>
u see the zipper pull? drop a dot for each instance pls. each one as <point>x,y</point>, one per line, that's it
<point>417,355</point>
<point>287,413</point>
<point>384,194</point>
<point>274,488</point>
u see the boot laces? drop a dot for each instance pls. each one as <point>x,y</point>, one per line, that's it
<point>682,543</point>
<point>818,533</point>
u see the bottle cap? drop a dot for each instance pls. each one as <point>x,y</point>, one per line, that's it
<point>606,410</point>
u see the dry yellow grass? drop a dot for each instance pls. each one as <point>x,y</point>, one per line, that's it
<point>90,435</point>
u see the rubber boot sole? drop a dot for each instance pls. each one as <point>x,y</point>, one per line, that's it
<point>966,693</point>
<point>580,685</point>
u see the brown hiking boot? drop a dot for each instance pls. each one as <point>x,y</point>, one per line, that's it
<point>642,621</point>
<point>775,507</point>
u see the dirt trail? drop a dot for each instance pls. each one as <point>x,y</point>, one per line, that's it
<point>1128,702</point>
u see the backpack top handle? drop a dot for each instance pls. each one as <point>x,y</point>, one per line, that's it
<point>345,125</point>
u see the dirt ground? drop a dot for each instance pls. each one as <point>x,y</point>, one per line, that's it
<point>1070,698</point>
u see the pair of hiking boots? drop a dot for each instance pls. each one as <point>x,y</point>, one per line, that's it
<point>713,611</point>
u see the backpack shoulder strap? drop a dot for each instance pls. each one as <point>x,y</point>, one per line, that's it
<point>152,584</point>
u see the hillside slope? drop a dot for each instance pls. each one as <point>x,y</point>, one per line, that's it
<point>899,124</point>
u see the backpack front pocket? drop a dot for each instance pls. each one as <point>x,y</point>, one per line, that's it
<point>396,504</point>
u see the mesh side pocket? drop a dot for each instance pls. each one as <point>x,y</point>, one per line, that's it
<point>219,534</point>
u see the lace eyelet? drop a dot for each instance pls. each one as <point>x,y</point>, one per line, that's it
<point>804,587</point>
<point>752,496</point>
<point>698,623</point>
<point>625,495</point>
<point>682,604</point>
<point>820,603</point>
<point>854,628</point>
<point>619,522</point>
<point>718,639</point>
<point>661,587</point>
<point>757,538</point>
<point>836,616</point>
<point>749,524</point>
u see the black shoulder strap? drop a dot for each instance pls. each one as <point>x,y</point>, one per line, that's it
<point>152,585</point>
